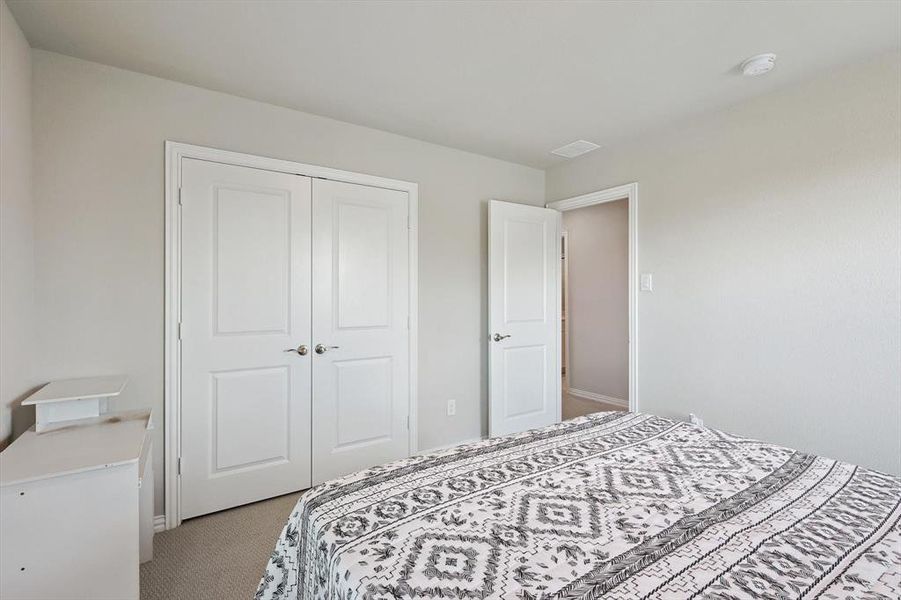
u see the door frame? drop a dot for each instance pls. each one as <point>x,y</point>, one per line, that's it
<point>564,305</point>
<point>627,192</point>
<point>174,153</point>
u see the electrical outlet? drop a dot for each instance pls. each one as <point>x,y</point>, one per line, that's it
<point>451,407</point>
<point>695,419</point>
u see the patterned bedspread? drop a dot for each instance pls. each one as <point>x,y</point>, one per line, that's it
<point>614,505</point>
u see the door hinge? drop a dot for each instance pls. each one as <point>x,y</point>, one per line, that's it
<point>179,195</point>
<point>179,331</point>
<point>408,422</point>
<point>178,466</point>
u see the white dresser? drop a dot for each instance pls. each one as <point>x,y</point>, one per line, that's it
<point>76,510</point>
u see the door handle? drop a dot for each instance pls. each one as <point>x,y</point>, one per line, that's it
<point>498,337</point>
<point>320,349</point>
<point>302,350</point>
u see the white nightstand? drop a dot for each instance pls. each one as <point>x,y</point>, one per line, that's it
<point>76,509</point>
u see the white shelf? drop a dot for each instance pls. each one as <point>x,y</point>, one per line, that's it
<point>78,389</point>
<point>60,402</point>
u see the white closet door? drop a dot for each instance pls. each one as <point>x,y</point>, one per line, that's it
<point>245,301</point>
<point>523,317</point>
<point>360,327</point>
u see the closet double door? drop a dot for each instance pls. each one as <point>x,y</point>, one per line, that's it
<point>294,332</point>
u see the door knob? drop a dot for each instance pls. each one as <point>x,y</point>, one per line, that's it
<point>320,349</point>
<point>498,337</point>
<point>302,350</point>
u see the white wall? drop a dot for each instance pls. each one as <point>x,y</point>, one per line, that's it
<point>16,222</point>
<point>597,263</point>
<point>98,161</point>
<point>773,230</point>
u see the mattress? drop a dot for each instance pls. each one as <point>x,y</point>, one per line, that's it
<point>613,505</point>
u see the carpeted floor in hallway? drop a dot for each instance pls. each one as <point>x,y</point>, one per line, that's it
<point>576,407</point>
<point>216,557</point>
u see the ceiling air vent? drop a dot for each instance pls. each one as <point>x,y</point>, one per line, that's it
<point>577,148</point>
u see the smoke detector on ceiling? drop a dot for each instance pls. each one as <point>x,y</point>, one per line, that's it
<point>758,65</point>
<point>577,148</point>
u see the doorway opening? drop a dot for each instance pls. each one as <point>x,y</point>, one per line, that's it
<point>596,309</point>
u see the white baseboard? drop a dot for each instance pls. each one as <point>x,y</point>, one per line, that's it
<point>586,395</point>
<point>159,523</point>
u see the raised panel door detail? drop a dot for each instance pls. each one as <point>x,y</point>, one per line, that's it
<point>246,296</point>
<point>363,400</point>
<point>360,312</point>
<point>523,319</point>
<point>362,265</point>
<point>252,255</point>
<point>250,416</point>
<point>524,380</point>
<point>524,274</point>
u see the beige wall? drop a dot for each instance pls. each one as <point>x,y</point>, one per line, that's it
<point>99,135</point>
<point>773,230</point>
<point>16,222</point>
<point>597,260</point>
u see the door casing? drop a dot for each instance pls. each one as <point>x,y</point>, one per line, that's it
<point>628,192</point>
<point>174,153</point>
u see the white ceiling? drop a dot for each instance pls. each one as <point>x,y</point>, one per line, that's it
<point>506,79</point>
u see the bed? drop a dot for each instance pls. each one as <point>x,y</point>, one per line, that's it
<point>613,505</point>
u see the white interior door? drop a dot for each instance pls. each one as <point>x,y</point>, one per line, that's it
<point>360,327</point>
<point>245,401</point>
<point>524,317</point>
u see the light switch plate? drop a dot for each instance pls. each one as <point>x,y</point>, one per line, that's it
<point>647,282</point>
<point>451,407</point>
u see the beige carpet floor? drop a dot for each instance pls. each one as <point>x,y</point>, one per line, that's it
<point>216,557</point>
<point>576,407</point>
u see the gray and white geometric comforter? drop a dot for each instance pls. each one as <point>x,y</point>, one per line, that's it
<point>614,505</point>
